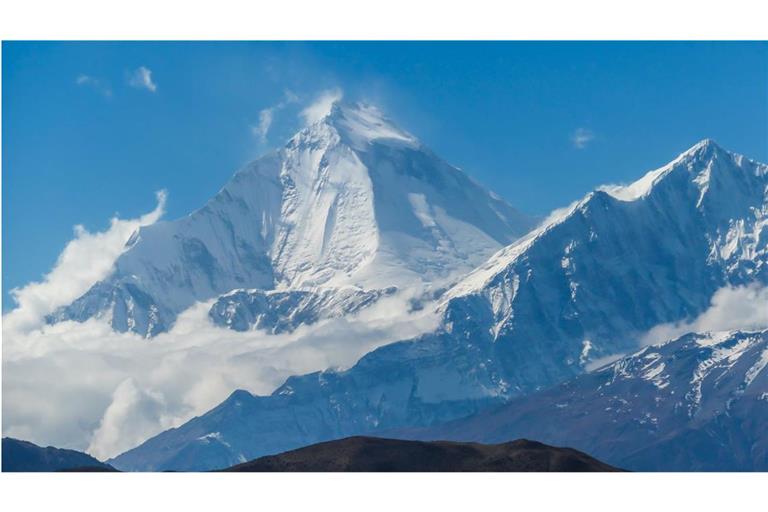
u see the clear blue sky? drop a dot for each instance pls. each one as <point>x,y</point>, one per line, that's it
<point>81,143</point>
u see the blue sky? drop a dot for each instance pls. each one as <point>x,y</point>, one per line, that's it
<point>94,129</point>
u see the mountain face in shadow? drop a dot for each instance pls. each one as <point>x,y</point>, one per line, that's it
<point>371,454</point>
<point>23,456</point>
<point>697,403</point>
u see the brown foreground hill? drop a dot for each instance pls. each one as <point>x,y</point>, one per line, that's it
<point>372,454</point>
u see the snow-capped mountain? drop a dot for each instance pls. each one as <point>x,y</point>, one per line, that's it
<point>585,284</point>
<point>698,403</point>
<point>351,200</point>
<point>622,260</point>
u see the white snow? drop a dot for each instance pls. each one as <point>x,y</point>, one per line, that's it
<point>724,355</point>
<point>421,210</point>
<point>586,348</point>
<point>755,369</point>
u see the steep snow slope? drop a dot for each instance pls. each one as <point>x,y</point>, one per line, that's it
<point>698,403</point>
<point>350,200</point>
<point>584,285</point>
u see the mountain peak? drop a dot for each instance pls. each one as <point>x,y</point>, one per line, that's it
<point>694,160</point>
<point>356,124</point>
<point>706,143</point>
<point>705,148</point>
<point>359,124</point>
<point>704,182</point>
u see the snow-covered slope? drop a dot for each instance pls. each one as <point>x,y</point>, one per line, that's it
<point>351,200</point>
<point>586,284</point>
<point>698,403</point>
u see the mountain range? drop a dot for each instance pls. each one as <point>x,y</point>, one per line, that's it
<point>353,209</point>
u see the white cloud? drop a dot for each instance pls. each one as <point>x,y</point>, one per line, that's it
<point>142,79</point>
<point>265,122</point>
<point>83,386</point>
<point>266,116</point>
<point>731,308</point>
<point>322,105</point>
<point>97,84</point>
<point>140,410</point>
<point>86,259</point>
<point>582,137</point>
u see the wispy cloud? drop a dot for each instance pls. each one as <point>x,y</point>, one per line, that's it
<point>142,79</point>
<point>266,116</point>
<point>581,137</point>
<point>322,105</point>
<point>319,107</point>
<point>100,86</point>
<point>261,130</point>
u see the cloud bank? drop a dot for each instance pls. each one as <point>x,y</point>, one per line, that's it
<point>83,386</point>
